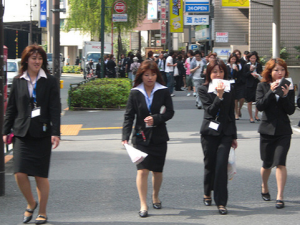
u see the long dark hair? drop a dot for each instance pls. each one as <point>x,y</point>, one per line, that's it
<point>29,51</point>
<point>211,66</point>
<point>147,65</point>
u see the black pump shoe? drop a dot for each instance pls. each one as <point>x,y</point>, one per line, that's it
<point>157,205</point>
<point>143,213</point>
<point>41,221</point>
<point>222,210</point>
<point>207,201</point>
<point>279,204</point>
<point>26,219</point>
<point>266,196</point>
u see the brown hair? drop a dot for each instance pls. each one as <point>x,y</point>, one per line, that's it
<point>147,65</point>
<point>234,55</point>
<point>29,51</point>
<point>235,51</point>
<point>212,54</point>
<point>266,74</point>
<point>211,66</point>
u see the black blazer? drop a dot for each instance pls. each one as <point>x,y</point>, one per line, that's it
<point>275,120</point>
<point>238,76</point>
<point>212,106</point>
<point>18,113</point>
<point>250,80</point>
<point>137,105</point>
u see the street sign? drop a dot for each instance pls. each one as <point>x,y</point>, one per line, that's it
<point>193,47</point>
<point>197,2</point>
<point>120,7</point>
<point>119,17</point>
<point>221,36</point>
<point>43,13</point>
<point>197,8</point>
<point>196,20</point>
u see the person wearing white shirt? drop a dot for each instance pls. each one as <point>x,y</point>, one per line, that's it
<point>170,72</point>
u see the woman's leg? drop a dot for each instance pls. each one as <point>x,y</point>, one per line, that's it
<point>184,82</point>
<point>250,110</point>
<point>42,187</point>
<point>157,178</point>
<point>236,109</point>
<point>256,114</point>
<point>25,187</point>
<point>241,103</point>
<point>265,174</point>
<point>142,185</point>
<point>281,176</point>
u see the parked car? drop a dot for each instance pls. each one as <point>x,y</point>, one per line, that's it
<point>13,67</point>
<point>50,66</point>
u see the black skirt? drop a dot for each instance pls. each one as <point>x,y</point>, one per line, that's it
<point>239,91</point>
<point>274,149</point>
<point>32,155</point>
<point>250,93</point>
<point>155,160</point>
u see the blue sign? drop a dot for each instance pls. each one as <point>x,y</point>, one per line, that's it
<point>196,8</point>
<point>193,47</point>
<point>197,2</point>
<point>43,13</point>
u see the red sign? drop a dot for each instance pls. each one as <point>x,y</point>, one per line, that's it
<point>120,7</point>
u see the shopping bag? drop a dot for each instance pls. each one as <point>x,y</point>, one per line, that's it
<point>231,168</point>
<point>135,155</point>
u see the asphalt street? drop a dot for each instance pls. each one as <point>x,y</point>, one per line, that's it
<point>92,179</point>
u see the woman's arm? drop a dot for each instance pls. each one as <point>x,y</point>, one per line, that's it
<point>263,97</point>
<point>54,107</point>
<point>288,102</point>
<point>212,107</point>
<point>128,118</point>
<point>168,114</point>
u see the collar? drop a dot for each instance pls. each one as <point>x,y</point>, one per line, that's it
<point>40,74</point>
<point>141,88</point>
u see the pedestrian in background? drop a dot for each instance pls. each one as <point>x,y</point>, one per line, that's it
<point>122,66</point>
<point>98,68</point>
<point>170,72</point>
<point>111,67</point>
<point>275,129</point>
<point>252,73</point>
<point>134,67</point>
<point>218,135</point>
<point>151,104</point>
<point>128,62</point>
<point>188,78</point>
<point>77,61</point>
<point>33,114</point>
<point>181,72</point>
<point>161,62</point>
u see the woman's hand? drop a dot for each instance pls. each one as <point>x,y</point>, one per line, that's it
<point>285,90</point>
<point>55,141</point>
<point>234,144</point>
<point>220,89</point>
<point>252,68</point>
<point>274,85</point>
<point>4,139</point>
<point>124,142</point>
<point>255,75</point>
<point>149,120</point>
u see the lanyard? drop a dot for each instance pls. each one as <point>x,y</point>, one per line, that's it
<point>34,88</point>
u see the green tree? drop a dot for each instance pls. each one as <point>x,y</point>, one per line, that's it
<point>85,15</point>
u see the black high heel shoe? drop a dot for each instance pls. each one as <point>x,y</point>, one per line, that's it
<point>207,201</point>
<point>279,204</point>
<point>26,219</point>
<point>41,221</point>
<point>222,210</point>
<point>266,196</point>
<point>143,213</point>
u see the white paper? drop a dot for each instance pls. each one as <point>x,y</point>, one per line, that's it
<point>36,112</point>
<point>135,155</point>
<point>231,168</point>
<point>212,85</point>
<point>213,125</point>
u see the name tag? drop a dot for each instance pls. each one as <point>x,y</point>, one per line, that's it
<point>214,125</point>
<point>36,112</point>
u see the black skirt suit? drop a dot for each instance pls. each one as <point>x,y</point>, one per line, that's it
<point>251,82</point>
<point>216,144</point>
<point>32,141</point>
<point>156,137</point>
<point>275,129</point>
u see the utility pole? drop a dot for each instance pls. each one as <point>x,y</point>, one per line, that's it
<point>2,165</point>
<point>102,36</point>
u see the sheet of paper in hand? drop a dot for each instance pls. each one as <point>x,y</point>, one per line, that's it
<point>282,83</point>
<point>212,85</point>
<point>135,155</point>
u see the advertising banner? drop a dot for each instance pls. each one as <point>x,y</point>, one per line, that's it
<point>202,33</point>
<point>176,16</point>
<point>152,10</point>
<point>236,3</point>
<point>196,20</point>
<point>221,36</point>
<point>197,8</point>
<point>43,13</point>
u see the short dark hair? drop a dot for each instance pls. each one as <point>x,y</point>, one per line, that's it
<point>246,52</point>
<point>150,54</point>
<point>197,52</point>
<point>171,53</point>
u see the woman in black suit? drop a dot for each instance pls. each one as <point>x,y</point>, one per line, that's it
<point>252,73</point>
<point>151,103</point>
<point>218,134</point>
<point>275,129</point>
<point>33,114</point>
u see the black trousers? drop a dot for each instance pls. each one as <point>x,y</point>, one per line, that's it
<point>122,73</point>
<point>216,151</point>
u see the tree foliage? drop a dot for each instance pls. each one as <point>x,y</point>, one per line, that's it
<point>85,15</point>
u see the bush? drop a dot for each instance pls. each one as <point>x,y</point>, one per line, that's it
<point>71,69</point>
<point>101,93</point>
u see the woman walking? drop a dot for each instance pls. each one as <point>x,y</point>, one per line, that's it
<point>33,113</point>
<point>218,134</point>
<point>151,103</point>
<point>275,129</point>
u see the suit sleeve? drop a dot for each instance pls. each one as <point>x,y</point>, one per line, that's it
<point>247,71</point>
<point>128,118</point>
<point>212,107</point>
<point>161,118</point>
<point>54,108</point>
<point>288,103</point>
<point>263,98</point>
<point>11,110</point>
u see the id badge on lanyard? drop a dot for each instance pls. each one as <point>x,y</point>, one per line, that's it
<point>214,124</point>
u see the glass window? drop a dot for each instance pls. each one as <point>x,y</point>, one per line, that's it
<point>11,67</point>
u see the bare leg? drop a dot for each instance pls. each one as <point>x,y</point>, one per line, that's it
<point>142,185</point>
<point>42,187</point>
<point>25,187</point>
<point>250,110</point>
<point>265,174</point>
<point>157,179</point>
<point>256,113</point>
<point>236,109</point>
<point>241,103</point>
<point>281,176</point>
<point>184,83</point>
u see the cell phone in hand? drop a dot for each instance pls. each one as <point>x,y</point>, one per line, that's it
<point>281,84</point>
